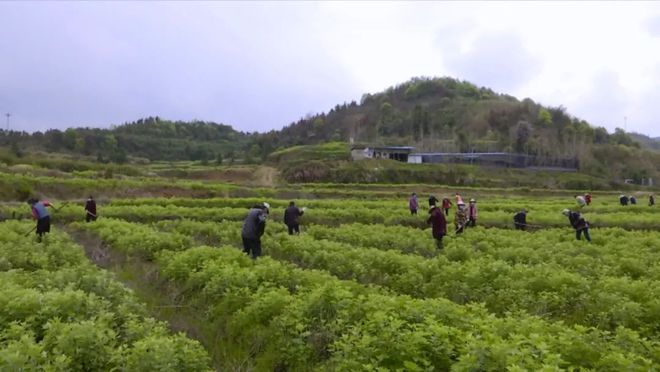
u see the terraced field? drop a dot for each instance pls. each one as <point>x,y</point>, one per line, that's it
<point>364,288</point>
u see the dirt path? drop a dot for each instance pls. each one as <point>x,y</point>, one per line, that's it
<point>163,300</point>
<point>265,176</point>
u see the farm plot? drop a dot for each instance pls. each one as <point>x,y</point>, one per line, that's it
<point>58,312</point>
<point>362,289</point>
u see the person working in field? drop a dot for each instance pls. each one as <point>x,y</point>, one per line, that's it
<point>446,204</point>
<point>292,218</point>
<point>651,200</point>
<point>520,220</point>
<point>459,199</point>
<point>472,213</point>
<point>587,198</point>
<point>253,228</point>
<point>623,200</point>
<point>461,218</point>
<point>413,204</point>
<point>438,225</point>
<point>90,209</point>
<point>578,222</point>
<point>580,200</point>
<point>40,213</point>
<point>432,200</point>
<point>633,200</point>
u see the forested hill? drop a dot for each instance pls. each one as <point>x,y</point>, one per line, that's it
<point>431,114</point>
<point>151,138</point>
<point>447,115</point>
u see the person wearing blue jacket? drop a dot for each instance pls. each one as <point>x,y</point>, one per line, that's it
<point>41,215</point>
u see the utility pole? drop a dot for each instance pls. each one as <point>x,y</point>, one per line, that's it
<point>8,115</point>
<point>625,123</point>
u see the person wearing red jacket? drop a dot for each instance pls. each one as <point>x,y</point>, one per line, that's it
<point>446,204</point>
<point>438,225</point>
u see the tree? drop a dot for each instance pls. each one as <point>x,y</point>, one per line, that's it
<point>544,118</point>
<point>218,158</point>
<point>523,132</point>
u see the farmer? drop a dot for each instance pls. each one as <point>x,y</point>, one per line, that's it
<point>438,225</point>
<point>579,224</point>
<point>472,213</point>
<point>292,218</point>
<point>90,209</point>
<point>461,219</point>
<point>520,220</point>
<point>651,200</point>
<point>446,204</point>
<point>587,198</point>
<point>633,200</point>
<point>432,200</point>
<point>623,200</point>
<point>413,204</point>
<point>459,199</point>
<point>253,228</point>
<point>581,202</point>
<point>40,213</point>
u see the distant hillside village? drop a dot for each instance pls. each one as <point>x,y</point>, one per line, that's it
<point>499,159</point>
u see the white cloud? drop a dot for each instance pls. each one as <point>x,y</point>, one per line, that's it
<point>263,65</point>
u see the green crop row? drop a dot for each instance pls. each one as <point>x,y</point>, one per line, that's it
<point>58,312</point>
<point>275,315</point>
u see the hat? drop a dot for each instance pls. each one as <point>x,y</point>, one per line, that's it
<point>472,201</point>
<point>565,212</point>
<point>266,205</point>
<point>524,210</point>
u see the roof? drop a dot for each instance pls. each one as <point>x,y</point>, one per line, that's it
<point>462,153</point>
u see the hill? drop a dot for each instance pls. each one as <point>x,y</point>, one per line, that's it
<point>150,138</point>
<point>448,115</point>
<point>646,141</point>
<point>431,114</point>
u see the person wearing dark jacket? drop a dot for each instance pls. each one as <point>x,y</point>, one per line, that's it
<point>41,214</point>
<point>633,200</point>
<point>432,200</point>
<point>292,218</point>
<point>253,228</point>
<point>579,224</point>
<point>623,200</point>
<point>651,200</point>
<point>438,225</point>
<point>520,220</point>
<point>90,209</point>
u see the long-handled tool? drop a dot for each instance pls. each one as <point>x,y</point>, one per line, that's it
<point>30,232</point>
<point>61,206</point>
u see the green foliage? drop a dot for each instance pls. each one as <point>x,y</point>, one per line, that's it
<point>58,312</point>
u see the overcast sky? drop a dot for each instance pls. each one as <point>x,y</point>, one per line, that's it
<point>260,66</point>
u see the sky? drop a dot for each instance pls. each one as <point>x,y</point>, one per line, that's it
<point>261,65</point>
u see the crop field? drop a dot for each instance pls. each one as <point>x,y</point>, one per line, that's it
<point>363,287</point>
